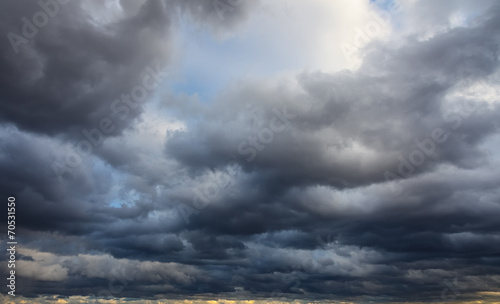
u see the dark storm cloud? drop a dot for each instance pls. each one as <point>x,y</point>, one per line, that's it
<point>349,127</point>
<point>309,213</point>
<point>63,75</point>
<point>62,81</point>
<point>65,78</point>
<point>59,82</point>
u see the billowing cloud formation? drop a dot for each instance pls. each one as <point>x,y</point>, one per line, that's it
<point>132,179</point>
<point>56,74</point>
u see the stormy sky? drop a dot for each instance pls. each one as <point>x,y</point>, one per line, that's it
<point>237,151</point>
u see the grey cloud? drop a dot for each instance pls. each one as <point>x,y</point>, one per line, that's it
<point>357,124</point>
<point>310,215</point>
<point>66,77</point>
